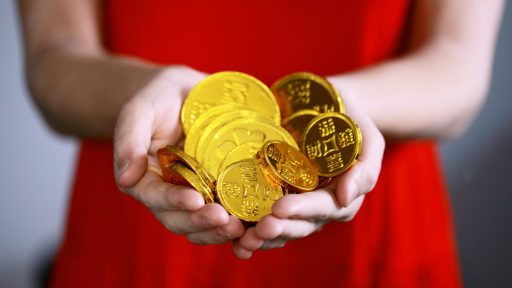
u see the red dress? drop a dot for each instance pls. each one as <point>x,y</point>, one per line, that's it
<point>402,236</point>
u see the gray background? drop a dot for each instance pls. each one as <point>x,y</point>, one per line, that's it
<point>36,169</point>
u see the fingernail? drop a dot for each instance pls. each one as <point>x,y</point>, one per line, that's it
<point>245,254</point>
<point>226,235</point>
<point>123,166</point>
<point>248,254</point>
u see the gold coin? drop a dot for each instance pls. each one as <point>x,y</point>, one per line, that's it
<point>192,179</point>
<point>288,166</point>
<point>303,90</point>
<point>170,154</point>
<point>203,121</point>
<point>332,142</point>
<point>221,121</point>
<point>231,88</point>
<point>236,133</point>
<point>244,191</point>
<point>297,122</point>
<point>241,152</point>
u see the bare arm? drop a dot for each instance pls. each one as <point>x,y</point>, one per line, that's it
<point>84,91</point>
<point>78,86</point>
<point>436,89</point>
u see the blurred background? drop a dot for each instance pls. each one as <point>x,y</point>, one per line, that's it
<point>37,168</point>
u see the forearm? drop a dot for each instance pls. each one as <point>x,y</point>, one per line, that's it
<point>427,94</point>
<point>436,88</point>
<point>78,87</point>
<point>82,93</point>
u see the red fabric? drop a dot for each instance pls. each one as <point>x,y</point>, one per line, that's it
<point>402,236</point>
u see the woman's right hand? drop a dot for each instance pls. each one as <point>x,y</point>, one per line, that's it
<point>149,121</point>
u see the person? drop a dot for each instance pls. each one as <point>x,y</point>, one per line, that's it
<point>410,72</point>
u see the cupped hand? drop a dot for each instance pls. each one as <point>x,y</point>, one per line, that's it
<point>299,215</point>
<point>149,121</point>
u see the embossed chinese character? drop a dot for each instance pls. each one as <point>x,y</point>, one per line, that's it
<point>286,172</point>
<point>198,108</point>
<point>268,193</point>
<point>314,150</point>
<point>334,162</point>
<point>326,128</point>
<point>274,154</point>
<point>250,208</point>
<point>232,190</point>
<point>324,108</point>
<point>235,92</point>
<point>305,176</point>
<point>299,92</point>
<point>292,161</point>
<point>248,174</point>
<point>345,138</point>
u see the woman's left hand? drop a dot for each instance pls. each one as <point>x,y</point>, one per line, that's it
<point>296,216</point>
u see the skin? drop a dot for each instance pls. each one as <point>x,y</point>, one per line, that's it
<point>446,68</point>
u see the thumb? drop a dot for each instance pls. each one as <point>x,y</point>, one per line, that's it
<point>132,138</point>
<point>363,177</point>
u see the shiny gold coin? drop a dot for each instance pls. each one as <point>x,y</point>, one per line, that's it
<point>219,123</point>
<point>231,88</point>
<point>203,121</point>
<point>193,180</point>
<point>236,133</point>
<point>241,152</point>
<point>245,193</point>
<point>303,90</point>
<point>288,166</point>
<point>332,142</point>
<point>297,122</point>
<point>170,154</point>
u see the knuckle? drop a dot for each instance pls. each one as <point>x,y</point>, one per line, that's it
<point>196,240</point>
<point>171,225</point>
<point>323,215</point>
<point>142,197</point>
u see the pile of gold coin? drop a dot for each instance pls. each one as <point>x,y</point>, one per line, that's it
<point>234,133</point>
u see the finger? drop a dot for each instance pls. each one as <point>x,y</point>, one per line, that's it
<point>241,252</point>
<point>317,206</point>
<point>131,142</point>
<point>186,77</point>
<point>158,195</point>
<point>351,211</point>
<point>232,230</point>
<point>250,241</point>
<point>272,228</point>
<point>206,218</point>
<point>362,178</point>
